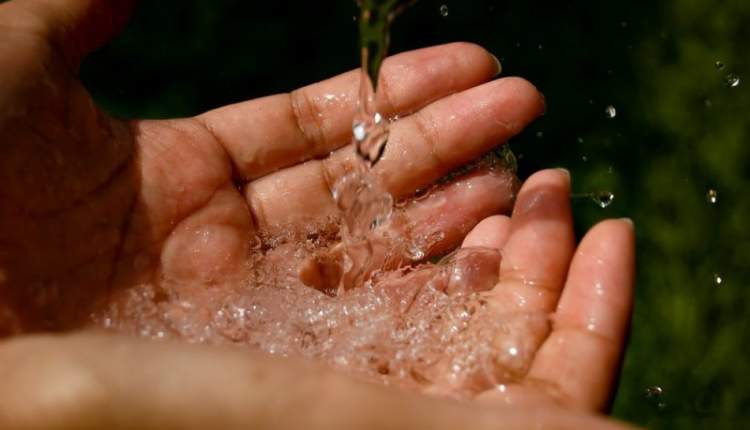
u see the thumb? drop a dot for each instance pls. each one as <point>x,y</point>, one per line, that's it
<point>74,27</point>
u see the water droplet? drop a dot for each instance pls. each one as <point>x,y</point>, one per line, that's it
<point>610,111</point>
<point>415,253</point>
<point>603,198</point>
<point>655,394</point>
<point>719,65</point>
<point>712,196</point>
<point>732,80</point>
<point>580,140</point>
<point>624,24</point>
<point>718,279</point>
<point>541,47</point>
<point>584,158</point>
<point>539,134</point>
<point>444,11</point>
<point>360,131</point>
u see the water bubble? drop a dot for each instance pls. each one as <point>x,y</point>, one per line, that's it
<point>712,196</point>
<point>732,81</point>
<point>610,111</point>
<point>584,158</point>
<point>444,11</point>
<point>719,65</point>
<point>718,279</point>
<point>580,140</point>
<point>603,198</point>
<point>539,134</point>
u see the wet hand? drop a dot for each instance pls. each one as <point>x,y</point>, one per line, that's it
<point>93,205</point>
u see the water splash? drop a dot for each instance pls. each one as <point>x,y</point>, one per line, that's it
<point>361,200</point>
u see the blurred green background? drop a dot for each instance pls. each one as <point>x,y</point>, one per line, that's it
<point>680,131</point>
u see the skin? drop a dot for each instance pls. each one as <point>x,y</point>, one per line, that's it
<point>92,206</point>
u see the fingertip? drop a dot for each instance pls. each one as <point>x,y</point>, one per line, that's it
<point>558,176</point>
<point>498,65</point>
<point>477,56</point>
<point>548,188</point>
<point>611,241</point>
<point>531,103</point>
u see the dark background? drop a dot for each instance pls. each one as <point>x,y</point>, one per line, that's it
<point>680,131</point>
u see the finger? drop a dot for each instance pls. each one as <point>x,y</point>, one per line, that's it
<point>265,135</point>
<point>211,244</point>
<point>452,132</point>
<point>540,245</point>
<point>581,357</point>
<point>76,26</point>
<point>423,147</point>
<point>491,232</point>
<point>441,221</point>
<point>165,385</point>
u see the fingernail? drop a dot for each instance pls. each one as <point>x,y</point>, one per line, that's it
<point>628,220</point>
<point>498,65</point>
<point>565,171</point>
<point>544,103</point>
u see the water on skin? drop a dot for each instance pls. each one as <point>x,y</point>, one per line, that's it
<point>368,307</point>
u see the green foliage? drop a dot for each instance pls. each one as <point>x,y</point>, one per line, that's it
<point>679,132</point>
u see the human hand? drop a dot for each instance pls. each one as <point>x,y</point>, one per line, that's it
<point>159,200</point>
<point>94,206</point>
